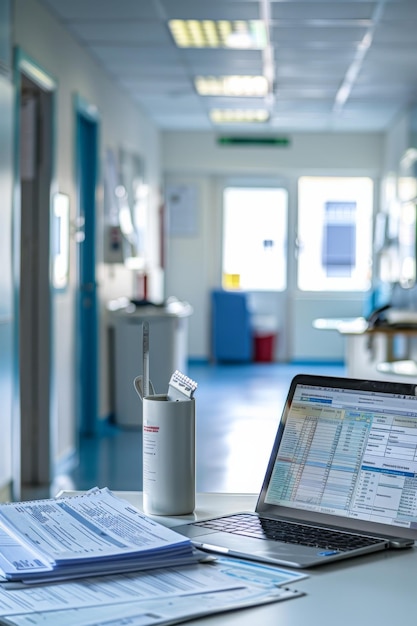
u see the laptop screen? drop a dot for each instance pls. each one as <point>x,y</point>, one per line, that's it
<point>350,452</point>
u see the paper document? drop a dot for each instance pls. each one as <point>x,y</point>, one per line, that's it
<point>155,597</point>
<point>89,534</point>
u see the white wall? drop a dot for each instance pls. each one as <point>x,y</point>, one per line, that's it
<point>193,263</point>
<point>6,293</point>
<point>122,125</point>
<point>396,142</point>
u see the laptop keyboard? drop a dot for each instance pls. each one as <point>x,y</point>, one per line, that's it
<point>288,532</point>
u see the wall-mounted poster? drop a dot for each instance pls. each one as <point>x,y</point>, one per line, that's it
<point>60,240</point>
<point>181,202</point>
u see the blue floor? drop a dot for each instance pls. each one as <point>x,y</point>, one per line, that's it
<point>237,412</point>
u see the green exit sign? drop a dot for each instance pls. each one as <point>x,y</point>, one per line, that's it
<point>254,141</point>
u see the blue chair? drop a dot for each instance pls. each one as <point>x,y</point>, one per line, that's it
<point>232,338</point>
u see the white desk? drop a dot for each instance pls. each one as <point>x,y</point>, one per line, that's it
<point>367,348</point>
<point>404,368</point>
<point>379,589</point>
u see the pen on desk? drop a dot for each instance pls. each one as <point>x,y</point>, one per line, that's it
<point>145,333</point>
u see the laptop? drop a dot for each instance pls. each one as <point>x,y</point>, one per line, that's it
<point>341,479</point>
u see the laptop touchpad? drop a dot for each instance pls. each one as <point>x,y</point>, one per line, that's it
<point>193,531</point>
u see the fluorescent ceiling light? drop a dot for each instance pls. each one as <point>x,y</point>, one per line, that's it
<point>218,34</point>
<point>233,116</point>
<point>244,86</point>
<point>353,70</point>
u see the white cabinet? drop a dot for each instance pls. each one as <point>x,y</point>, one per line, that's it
<point>168,351</point>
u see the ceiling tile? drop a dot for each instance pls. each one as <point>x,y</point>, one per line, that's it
<point>133,32</point>
<point>211,9</point>
<point>93,10</point>
<point>313,45</point>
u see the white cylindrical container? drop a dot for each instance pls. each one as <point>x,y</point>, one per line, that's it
<point>168,455</point>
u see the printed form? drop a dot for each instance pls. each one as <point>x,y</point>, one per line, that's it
<point>149,598</point>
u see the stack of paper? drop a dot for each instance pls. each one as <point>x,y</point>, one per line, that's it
<point>154,576</point>
<point>77,536</point>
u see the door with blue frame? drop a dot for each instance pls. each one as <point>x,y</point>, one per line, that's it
<point>87,127</point>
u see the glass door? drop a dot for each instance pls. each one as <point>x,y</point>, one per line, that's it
<point>334,240</point>
<point>324,271</point>
<point>255,238</point>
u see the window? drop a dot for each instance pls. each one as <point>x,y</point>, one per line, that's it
<point>334,233</point>
<point>254,238</point>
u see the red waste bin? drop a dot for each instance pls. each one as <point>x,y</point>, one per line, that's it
<point>264,332</point>
<point>264,349</point>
